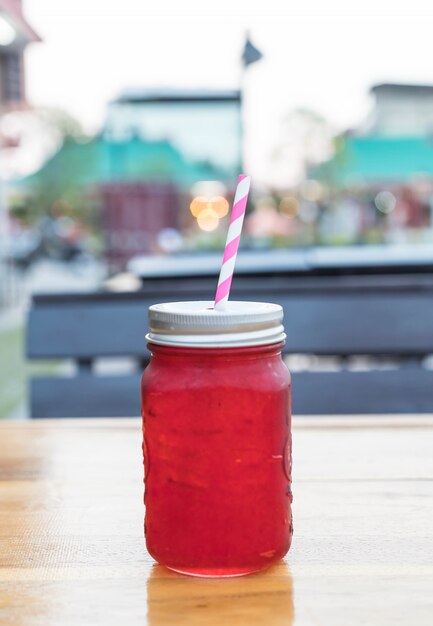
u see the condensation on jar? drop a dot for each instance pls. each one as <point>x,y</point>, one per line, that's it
<point>217,438</point>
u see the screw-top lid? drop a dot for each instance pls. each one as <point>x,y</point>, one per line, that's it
<point>199,325</point>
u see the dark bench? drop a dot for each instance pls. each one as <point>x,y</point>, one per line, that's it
<point>341,315</point>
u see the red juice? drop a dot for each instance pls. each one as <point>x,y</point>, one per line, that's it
<point>217,450</point>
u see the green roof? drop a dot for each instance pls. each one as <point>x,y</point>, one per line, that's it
<point>101,161</point>
<point>378,160</point>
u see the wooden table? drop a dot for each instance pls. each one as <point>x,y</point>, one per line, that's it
<point>72,549</point>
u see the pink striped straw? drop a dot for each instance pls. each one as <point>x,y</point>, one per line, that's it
<point>232,243</point>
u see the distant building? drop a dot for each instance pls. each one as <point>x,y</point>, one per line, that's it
<point>400,111</point>
<point>101,160</point>
<point>133,216</point>
<point>393,146</point>
<point>203,126</point>
<point>377,160</point>
<point>15,34</point>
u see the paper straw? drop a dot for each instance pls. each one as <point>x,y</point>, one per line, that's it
<point>232,243</point>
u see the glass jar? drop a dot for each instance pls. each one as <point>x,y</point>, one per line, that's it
<point>217,438</point>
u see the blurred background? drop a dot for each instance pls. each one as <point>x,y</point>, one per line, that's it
<point>123,127</point>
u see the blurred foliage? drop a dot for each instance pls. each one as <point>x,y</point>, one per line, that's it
<point>55,191</point>
<point>59,121</point>
<point>306,138</point>
<point>14,371</point>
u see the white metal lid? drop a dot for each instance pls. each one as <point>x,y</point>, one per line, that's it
<point>199,325</point>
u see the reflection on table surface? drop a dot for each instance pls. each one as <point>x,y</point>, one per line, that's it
<point>264,599</point>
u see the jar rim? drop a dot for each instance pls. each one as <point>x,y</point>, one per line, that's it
<point>198,324</point>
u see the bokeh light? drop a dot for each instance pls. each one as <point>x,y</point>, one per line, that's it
<point>385,201</point>
<point>311,190</point>
<point>308,212</point>
<point>170,240</point>
<point>266,202</point>
<point>198,205</point>
<point>289,206</point>
<point>220,205</point>
<point>208,220</point>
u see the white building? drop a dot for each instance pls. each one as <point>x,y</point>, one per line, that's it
<point>204,125</point>
<point>400,111</point>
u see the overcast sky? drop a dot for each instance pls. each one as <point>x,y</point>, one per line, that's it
<point>323,55</point>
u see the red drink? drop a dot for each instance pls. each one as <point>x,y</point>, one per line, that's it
<point>216,424</point>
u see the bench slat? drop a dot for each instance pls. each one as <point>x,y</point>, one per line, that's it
<point>85,396</point>
<point>406,390</point>
<point>87,330</point>
<point>326,323</point>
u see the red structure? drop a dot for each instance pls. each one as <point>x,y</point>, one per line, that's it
<point>16,35</point>
<point>133,215</point>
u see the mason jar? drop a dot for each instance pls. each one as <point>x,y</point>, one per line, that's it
<point>216,408</point>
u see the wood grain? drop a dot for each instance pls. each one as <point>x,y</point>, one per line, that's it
<point>72,550</point>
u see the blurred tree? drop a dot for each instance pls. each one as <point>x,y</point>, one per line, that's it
<point>306,138</point>
<point>59,122</point>
<point>41,133</point>
<point>29,137</point>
